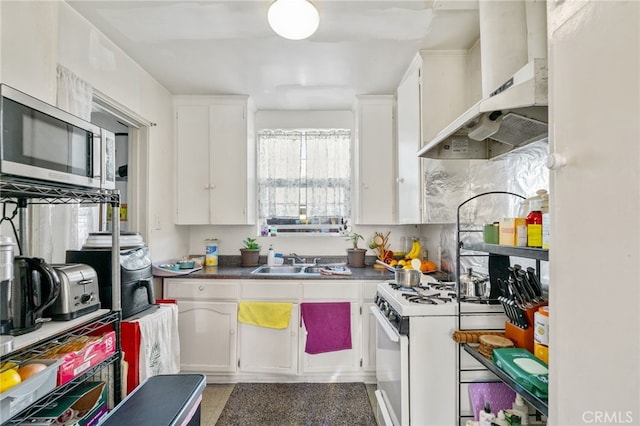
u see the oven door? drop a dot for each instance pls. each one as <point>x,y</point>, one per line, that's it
<point>392,372</point>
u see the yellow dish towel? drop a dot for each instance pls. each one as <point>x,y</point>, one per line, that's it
<point>265,314</point>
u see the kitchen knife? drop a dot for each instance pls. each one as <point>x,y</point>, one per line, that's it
<point>521,320</point>
<point>524,285</point>
<point>530,287</point>
<point>516,273</point>
<point>515,294</point>
<point>508,310</point>
<point>533,279</point>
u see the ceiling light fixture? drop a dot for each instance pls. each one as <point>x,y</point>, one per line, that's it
<point>293,19</point>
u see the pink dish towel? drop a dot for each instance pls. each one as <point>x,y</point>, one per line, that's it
<point>328,326</point>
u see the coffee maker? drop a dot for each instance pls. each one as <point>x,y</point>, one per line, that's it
<point>36,286</point>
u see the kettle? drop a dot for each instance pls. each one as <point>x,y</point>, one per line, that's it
<point>36,286</point>
<point>473,286</point>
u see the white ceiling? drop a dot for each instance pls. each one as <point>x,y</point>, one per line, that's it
<point>227,47</point>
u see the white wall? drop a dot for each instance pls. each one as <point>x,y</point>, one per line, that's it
<point>36,36</point>
<point>29,42</point>
<point>269,119</point>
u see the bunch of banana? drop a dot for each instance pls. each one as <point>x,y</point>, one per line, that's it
<point>415,250</point>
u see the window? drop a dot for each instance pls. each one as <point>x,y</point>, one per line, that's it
<point>304,178</point>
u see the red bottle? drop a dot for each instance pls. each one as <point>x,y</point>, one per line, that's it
<point>534,225</point>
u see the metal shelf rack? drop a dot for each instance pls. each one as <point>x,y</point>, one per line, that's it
<point>538,403</point>
<point>22,193</point>
<point>499,256</point>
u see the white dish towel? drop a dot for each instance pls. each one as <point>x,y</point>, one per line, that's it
<point>159,342</point>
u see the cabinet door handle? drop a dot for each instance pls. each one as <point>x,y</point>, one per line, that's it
<point>232,331</point>
<point>201,288</point>
<point>555,161</point>
<point>207,186</point>
<point>365,186</point>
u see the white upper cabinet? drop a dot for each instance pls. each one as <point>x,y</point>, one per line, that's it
<point>409,186</point>
<point>215,160</point>
<point>436,88</point>
<point>374,160</point>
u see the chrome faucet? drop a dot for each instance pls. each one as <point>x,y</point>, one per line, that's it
<point>297,258</point>
<point>316,260</point>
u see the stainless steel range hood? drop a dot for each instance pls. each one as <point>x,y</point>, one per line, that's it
<point>513,115</point>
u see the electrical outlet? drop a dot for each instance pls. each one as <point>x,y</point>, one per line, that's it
<point>158,226</point>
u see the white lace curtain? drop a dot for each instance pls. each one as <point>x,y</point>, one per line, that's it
<point>57,228</point>
<point>304,173</point>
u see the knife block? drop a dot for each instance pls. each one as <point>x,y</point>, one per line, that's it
<point>523,337</point>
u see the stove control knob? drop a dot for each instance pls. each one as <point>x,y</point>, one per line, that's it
<point>391,316</point>
<point>85,298</point>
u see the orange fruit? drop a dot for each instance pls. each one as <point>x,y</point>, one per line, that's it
<point>9,379</point>
<point>29,370</point>
<point>428,266</point>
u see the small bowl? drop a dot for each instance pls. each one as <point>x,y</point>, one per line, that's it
<point>186,264</point>
<point>170,267</point>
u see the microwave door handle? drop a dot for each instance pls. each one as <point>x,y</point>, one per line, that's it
<point>96,156</point>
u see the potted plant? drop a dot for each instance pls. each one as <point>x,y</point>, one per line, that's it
<point>250,253</point>
<point>355,255</point>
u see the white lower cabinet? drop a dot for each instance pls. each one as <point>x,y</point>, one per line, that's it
<point>369,290</point>
<point>208,333</point>
<point>347,360</point>
<point>213,342</point>
<point>269,350</point>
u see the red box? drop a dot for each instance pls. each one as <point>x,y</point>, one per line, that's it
<point>76,363</point>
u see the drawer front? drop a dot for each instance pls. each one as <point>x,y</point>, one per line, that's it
<point>482,321</point>
<point>201,289</point>
<point>369,289</point>
<point>270,290</point>
<point>334,290</point>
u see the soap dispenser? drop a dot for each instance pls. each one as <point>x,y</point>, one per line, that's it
<point>522,408</point>
<point>486,416</point>
<point>271,256</point>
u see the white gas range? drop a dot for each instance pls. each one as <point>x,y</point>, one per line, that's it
<point>416,357</point>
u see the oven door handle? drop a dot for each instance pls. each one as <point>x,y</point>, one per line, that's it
<point>384,323</point>
<point>382,406</point>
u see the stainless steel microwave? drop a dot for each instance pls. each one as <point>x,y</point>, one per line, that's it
<point>43,143</point>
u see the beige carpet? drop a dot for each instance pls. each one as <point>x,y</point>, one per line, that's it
<point>281,404</point>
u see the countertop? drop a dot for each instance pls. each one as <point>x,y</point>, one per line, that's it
<point>238,272</point>
<point>368,273</point>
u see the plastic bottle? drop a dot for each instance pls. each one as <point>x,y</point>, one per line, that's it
<point>264,231</point>
<point>486,416</point>
<point>522,408</point>
<point>271,256</point>
<point>500,420</point>
<point>534,225</point>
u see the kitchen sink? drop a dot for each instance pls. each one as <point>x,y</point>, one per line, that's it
<point>296,269</point>
<point>280,270</point>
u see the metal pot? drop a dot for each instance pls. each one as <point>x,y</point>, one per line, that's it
<point>404,277</point>
<point>408,277</point>
<point>474,286</point>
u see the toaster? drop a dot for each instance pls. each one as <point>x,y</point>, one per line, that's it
<point>79,292</point>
